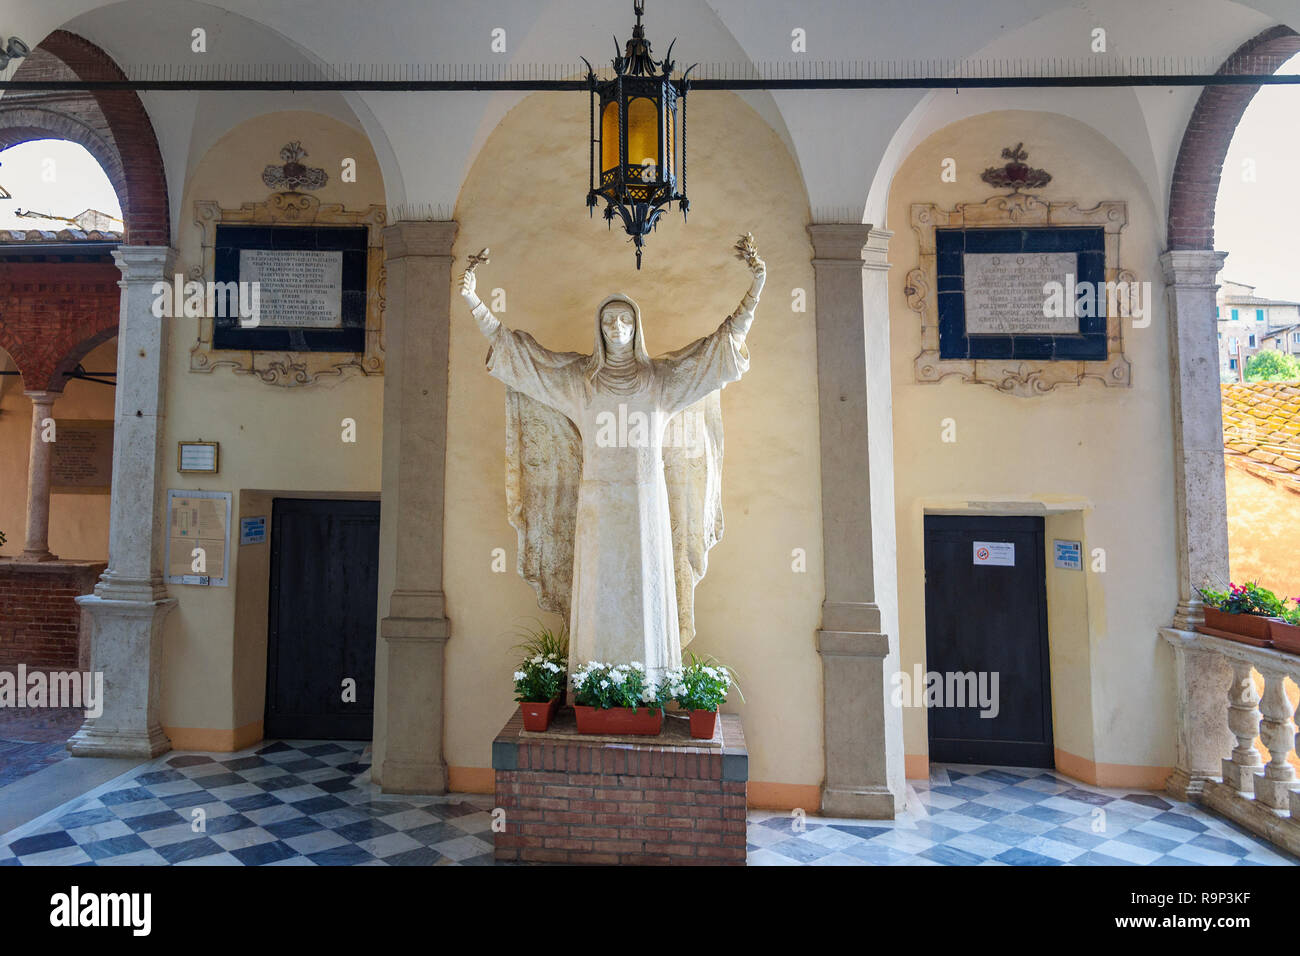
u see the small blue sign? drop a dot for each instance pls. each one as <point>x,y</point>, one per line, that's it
<point>1069,554</point>
<point>252,530</point>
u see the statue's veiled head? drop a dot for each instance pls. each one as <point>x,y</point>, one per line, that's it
<point>619,332</point>
<point>617,325</point>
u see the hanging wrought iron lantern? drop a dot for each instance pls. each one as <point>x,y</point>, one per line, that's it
<point>641,149</point>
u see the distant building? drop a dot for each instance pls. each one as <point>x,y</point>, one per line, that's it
<point>1248,323</point>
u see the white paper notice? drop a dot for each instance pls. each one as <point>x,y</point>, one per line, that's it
<point>999,553</point>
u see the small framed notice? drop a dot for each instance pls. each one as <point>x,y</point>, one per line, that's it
<point>1068,554</point>
<point>252,530</point>
<point>198,537</point>
<point>997,553</point>
<point>198,457</point>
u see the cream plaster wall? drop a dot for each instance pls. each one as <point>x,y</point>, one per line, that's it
<point>1104,453</point>
<point>78,523</point>
<point>524,199</point>
<point>285,439</point>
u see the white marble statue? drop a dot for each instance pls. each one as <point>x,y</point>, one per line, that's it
<point>613,472</point>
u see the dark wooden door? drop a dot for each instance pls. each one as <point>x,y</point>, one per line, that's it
<point>324,593</point>
<point>986,614</point>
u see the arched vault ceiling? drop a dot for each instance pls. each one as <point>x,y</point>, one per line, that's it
<point>847,145</point>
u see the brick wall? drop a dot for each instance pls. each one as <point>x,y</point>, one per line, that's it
<point>40,622</point>
<point>568,800</point>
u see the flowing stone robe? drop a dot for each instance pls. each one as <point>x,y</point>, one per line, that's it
<point>615,522</point>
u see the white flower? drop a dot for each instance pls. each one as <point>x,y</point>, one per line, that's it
<point>617,676</point>
<point>647,695</point>
<point>679,690</point>
<point>604,684</point>
<point>520,675</point>
<point>537,659</point>
<point>636,665</point>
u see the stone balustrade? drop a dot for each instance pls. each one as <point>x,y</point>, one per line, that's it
<point>1262,797</point>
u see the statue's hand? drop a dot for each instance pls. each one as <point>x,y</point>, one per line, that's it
<point>747,252</point>
<point>468,284</point>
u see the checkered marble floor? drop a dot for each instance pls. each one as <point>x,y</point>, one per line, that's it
<point>304,803</point>
<point>997,816</point>
<point>311,803</point>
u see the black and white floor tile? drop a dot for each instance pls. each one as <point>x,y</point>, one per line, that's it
<point>311,803</point>
<point>991,816</point>
<point>286,803</point>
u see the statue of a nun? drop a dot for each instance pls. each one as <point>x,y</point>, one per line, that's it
<point>613,472</point>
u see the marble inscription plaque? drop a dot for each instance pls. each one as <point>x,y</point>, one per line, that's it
<point>82,457</point>
<point>1004,292</point>
<point>299,288</point>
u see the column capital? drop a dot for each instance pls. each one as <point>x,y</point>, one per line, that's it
<point>145,263</point>
<point>1192,268</point>
<point>422,237</point>
<point>43,396</point>
<point>839,240</point>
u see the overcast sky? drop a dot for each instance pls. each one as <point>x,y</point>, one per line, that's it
<point>1254,222</point>
<point>1258,207</point>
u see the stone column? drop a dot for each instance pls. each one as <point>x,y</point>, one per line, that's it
<point>1200,495</point>
<point>414,633</point>
<point>37,547</point>
<point>863,730</point>
<point>126,611</point>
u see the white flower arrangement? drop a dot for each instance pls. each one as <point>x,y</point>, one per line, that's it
<point>539,678</point>
<point>615,685</point>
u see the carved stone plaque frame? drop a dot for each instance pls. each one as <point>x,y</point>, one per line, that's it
<point>293,368</point>
<point>1015,376</point>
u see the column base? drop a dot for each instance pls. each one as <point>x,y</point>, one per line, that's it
<point>92,741</point>
<point>126,646</point>
<point>870,803</point>
<point>413,760</point>
<point>33,556</point>
<point>414,776</point>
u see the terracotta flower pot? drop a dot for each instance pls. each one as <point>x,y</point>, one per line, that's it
<point>703,723</point>
<point>1245,628</point>
<point>648,721</point>
<point>1286,637</point>
<point>539,714</point>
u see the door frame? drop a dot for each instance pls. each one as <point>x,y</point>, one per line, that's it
<point>252,575</point>
<point>1037,523</point>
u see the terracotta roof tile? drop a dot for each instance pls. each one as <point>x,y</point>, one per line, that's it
<point>1261,427</point>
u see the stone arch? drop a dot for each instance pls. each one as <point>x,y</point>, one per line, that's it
<point>1209,133</point>
<point>111,124</point>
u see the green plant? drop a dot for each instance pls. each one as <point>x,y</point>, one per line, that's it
<point>539,638</point>
<point>701,684</point>
<point>616,685</point>
<point>1270,365</point>
<point>1292,615</point>
<point>1247,598</point>
<point>539,679</point>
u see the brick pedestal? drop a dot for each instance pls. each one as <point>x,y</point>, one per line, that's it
<point>635,800</point>
<point>40,622</point>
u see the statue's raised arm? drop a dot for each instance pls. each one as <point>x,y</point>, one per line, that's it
<point>743,317</point>
<point>487,322</point>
